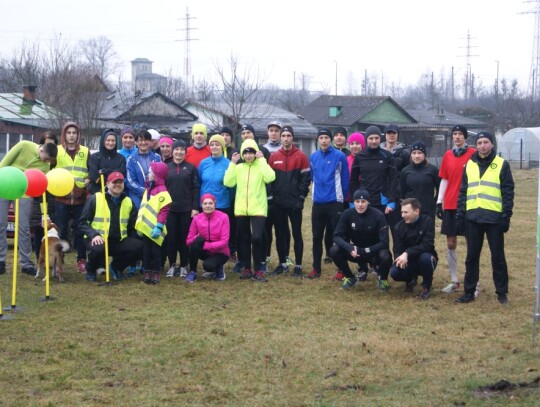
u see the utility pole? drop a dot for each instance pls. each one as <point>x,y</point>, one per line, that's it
<point>336,76</point>
<point>497,82</point>
<point>534,78</point>
<point>187,39</point>
<point>468,75</point>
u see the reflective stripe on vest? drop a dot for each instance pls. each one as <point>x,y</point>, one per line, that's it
<point>148,213</point>
<point>485,192</point>
<point>99,224</point>
<point>77,167</point>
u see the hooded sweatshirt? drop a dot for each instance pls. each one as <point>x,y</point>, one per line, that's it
<point>160,171</point>
<point>250,180</point>
<point>67,158</point>
<point>105,161</point>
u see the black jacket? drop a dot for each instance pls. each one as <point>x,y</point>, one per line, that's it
<point>183,185</point>
<point>363,230</point>
<point>415,238</point>
<point>480,215</point>
<point>421,181</point>
<point>89,212</point>
<point>105,161</point>
<point>375,171</point>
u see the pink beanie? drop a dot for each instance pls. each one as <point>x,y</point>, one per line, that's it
<point>167,140</point>
<point>208,196</point>
<point>358,137</point>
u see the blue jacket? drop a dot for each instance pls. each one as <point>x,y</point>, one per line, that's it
<point>137,174</point>
<point>330,174</point>
<point>211,173</point>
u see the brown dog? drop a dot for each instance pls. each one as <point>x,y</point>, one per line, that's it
<point>57,248</point>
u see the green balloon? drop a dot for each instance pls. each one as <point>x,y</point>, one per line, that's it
<point>13,183</point>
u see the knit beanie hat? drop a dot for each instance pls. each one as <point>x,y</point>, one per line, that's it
<point>179,143</point>
<point>340,130</point>
<point>288,129</point>
<point>324,132</point>
<point>208,196</point>
<point>418,145</point>
<point>167,140</point>
<point>198,127</point>
<point>359,138</point>
<point>461,128</point>
<point>126,129</point>
<point>219,138</point>
<point>227,130</point>
<point>485,134</point>
<point>372,130</point>
<point>248,127</point>
<point>361,194</point>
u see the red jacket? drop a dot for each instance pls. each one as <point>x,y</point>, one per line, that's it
<point>196,155</point>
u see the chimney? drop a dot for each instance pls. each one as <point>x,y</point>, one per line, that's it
<point>29,93</point>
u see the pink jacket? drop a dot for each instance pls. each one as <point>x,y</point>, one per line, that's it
<point>214,229</point>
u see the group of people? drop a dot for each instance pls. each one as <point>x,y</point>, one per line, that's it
<point>155,199</point>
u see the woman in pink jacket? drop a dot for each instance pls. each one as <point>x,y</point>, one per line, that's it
<point>208,239</point>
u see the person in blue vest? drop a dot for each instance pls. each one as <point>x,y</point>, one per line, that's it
<point>485,203</point>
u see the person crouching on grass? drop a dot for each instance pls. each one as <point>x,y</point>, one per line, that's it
<point>414,248</point>
<point>208,239</point>
<point>251,205</point>
<point>151,221</point>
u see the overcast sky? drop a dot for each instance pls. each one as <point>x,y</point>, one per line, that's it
<point>398,41</point>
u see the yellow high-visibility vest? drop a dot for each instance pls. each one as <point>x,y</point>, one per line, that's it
<point>148,212</point>
<point>77,167</point>
<point>485,192</point>
<point>101,225</point>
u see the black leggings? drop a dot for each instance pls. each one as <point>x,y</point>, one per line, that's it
<point>323,217</point>
<point>177,230</point>
<point>250,240</point>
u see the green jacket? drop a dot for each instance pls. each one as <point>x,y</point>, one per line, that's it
<point>250,180</point>
<point>25,155</point>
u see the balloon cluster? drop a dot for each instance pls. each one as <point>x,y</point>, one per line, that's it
<point>15,183</point>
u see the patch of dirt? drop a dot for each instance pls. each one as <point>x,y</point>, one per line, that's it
<point>504,388</point>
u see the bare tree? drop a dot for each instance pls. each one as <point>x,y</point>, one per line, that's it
<point>239,93</point>
<point>99,54</point>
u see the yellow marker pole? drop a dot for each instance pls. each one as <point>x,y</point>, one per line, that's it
<point>46,241</point>
<point>15,257</point>
<point>106,231</point>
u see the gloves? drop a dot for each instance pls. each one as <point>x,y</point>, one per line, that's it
<point>157,231</point>
<point>504,224</point>
<point>439,211</point>
<point>299,204</point>
<point>198,243</point>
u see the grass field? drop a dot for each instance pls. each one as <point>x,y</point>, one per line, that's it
<point>289,342</point>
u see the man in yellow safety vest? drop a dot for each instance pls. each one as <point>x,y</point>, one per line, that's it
<point>113,215</point>
<point>485,203</point>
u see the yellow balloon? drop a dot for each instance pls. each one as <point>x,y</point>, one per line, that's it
<point>60,182</point>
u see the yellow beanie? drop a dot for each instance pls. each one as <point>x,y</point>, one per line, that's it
<point>219,138</point>
<point>197,128</point>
